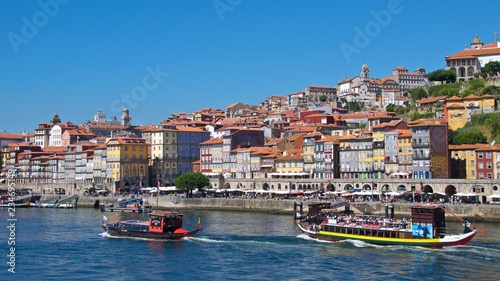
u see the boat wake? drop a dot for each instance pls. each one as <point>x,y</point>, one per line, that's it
<point>233,240</point>
<point>107,235</point>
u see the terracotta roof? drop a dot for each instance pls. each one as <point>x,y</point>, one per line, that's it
<point>471,97</point>
<point>431,99</point>
<point>212,141</point>
<point>474,53</point>
<point>404,134</point>
<point>9,136</point>
<point>454,98</point>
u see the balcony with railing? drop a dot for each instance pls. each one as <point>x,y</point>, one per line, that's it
<point>378,145</point>
<point>420,156</point>
<point>420,144</point>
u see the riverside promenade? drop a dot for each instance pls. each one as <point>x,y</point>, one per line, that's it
<point>480,212</point>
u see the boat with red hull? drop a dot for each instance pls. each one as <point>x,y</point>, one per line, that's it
<point>160,225</point>
<point>426,228</point>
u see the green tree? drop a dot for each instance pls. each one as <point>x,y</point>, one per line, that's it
<point>390,107</point>
<point>469,137</point>
<point>493,124</point>
<point>418,94</point>
<point>323,98</point>
<point>191,181</point>
<point>492,66</point>
<point>492,90</point>
<point>442,75</point>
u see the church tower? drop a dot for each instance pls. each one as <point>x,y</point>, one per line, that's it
<point>126,118</point>
<point>55,119</point>
<point>365,73</point>
<point>476,43</point>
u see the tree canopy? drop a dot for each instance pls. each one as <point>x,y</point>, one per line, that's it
<point>492,66</point>
<point>442,75</point>
<point>469,137</point>
<point>390,107</point>
<point>191,181</point>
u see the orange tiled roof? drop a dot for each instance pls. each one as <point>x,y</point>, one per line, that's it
<point>431,99</point>
<point>473,53</point>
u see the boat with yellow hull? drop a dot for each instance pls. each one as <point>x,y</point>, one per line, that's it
<point>426,228</point>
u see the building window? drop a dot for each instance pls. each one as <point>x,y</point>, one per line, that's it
<point>481,165</point>
<point>488,165</point>
<point>480,155</point>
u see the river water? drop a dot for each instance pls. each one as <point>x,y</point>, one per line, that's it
<point>65,244</point>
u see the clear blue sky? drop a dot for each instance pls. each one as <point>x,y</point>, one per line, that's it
<point>81,56</point>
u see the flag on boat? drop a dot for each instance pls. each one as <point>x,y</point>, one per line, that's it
<point>104,218</point>
<point>199,222</point>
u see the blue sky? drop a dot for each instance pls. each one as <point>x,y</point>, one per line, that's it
<point>74,57</point>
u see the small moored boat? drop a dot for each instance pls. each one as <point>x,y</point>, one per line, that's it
<point>160,225</point>
<point>134,205</point>
<point>426,228</point>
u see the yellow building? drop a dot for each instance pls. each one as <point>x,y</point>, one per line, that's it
<point>164,154</point>
<point>463,161</point>
<point>378,151</point>
<point>405,152</point>
<point>128,162</point>
<point>291,161</point>
<point>458,111</point>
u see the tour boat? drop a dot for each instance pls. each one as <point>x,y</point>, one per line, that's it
<point>426,228</point>
<point>160,225</point>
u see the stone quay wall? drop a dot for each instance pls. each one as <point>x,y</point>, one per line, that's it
<point>480,212</point>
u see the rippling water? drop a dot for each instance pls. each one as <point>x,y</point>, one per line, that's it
<point>63,244</point>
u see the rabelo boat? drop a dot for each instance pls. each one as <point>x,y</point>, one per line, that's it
<point>160,225</point>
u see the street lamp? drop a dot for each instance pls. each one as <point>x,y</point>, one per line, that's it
<point>158,176</point>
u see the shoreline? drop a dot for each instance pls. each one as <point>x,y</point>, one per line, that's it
<point>471,212</point>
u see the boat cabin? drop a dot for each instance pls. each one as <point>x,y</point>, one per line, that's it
<point>164,221</point>
<point>428,221</point>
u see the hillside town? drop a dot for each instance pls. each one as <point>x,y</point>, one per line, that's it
<point>310,133</point>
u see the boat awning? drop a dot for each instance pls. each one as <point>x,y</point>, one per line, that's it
<point>464,194</point>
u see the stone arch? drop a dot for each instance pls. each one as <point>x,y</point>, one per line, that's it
<point>293,186</point>
<point>401,188</point>
<point>461,72</point>
<point>450,190</point>
<point>309,187</point>
<point>279,186</point>
<point>272,186</point>
<point>385,187</point>
<point>366,187</point>
<point>265,186</point>
<point>427,188</point>
<point>470,71</point>
<point>348,187</point>
<point>227,185</point>
<point>330,187</point>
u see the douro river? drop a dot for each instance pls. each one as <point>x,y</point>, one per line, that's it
<point>69,244</point>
